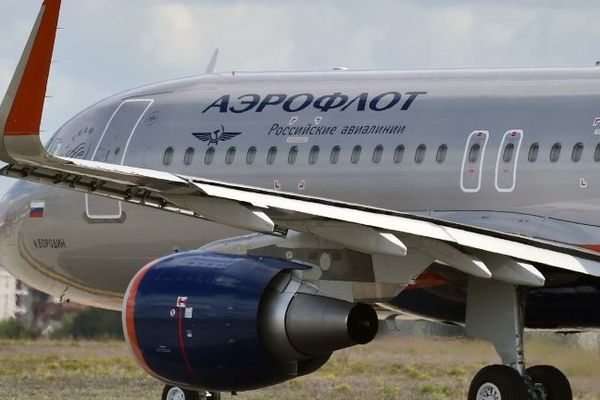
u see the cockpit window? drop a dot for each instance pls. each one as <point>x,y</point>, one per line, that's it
<point>54,144</point>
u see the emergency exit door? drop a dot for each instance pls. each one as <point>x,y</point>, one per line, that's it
<point>112,148</point>
<point>507,160</point>
<point>472,164</point>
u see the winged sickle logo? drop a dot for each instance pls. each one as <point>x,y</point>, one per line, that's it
<point>216,136</point>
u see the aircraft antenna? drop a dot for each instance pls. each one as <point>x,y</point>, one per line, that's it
<point>212,64</point>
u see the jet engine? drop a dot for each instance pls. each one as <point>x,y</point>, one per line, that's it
<point>221,322</point>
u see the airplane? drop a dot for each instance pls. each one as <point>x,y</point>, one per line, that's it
<point>246,223</point>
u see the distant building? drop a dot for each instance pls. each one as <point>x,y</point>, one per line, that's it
<point>15,299</point>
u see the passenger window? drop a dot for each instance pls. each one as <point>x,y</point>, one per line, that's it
<point>441,154</point>
<point>230,156</point>
<point>577,152</point>
<point>398,154</point>
<point>355,157</point>
<point>188,157</point>
<point>314,155</point>
<point>533,152</point>
<point>54,145</point>
<point>420,154</point>
<point>597,153</point>
<point>209,156</point>
<point>474,153</point>
<point>508,153</point>
<point>251,155</point>
<point>272,155</point>
<point>168,156</point>
<point>335,154</point>
<point>555,152</point>
<point>377,154</point>
<point>292,155</point>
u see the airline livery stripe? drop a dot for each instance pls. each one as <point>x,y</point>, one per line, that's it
<point>181,339</point>
<point>130,318</point>
<point>26,112</point>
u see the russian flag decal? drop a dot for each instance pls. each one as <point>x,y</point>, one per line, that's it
<point>37,209</point>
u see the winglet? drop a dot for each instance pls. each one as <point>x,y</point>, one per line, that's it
<point>212,64</point>
<point>22,106</point>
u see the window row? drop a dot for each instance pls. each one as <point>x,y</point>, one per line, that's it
<point>534,149</point>
<point>334,156</point>
<point>313,156</point>
<point>555,151</point>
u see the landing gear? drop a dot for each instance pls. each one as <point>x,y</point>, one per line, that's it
<point>177,393</point>
<point>553,381</point>
<point>497,382</point>
<point>495,313</point>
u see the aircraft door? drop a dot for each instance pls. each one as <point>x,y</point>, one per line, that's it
<point>472,164</point>
<point>508,157</point>
<point>111,148</point>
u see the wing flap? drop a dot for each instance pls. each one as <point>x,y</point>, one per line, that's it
<point>286,210</point>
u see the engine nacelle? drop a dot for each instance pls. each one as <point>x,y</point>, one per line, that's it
<point>231,323</point>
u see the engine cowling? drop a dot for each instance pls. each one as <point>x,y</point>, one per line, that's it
<point>232,323</point>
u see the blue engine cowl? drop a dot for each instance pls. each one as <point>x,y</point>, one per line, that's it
<point>231,323</point>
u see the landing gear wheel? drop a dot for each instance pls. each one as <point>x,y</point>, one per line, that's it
<point>176,393</point>
<point>555,382</point>
<point>498,382</point>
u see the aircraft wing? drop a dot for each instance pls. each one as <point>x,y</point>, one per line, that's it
<point>368,229</point>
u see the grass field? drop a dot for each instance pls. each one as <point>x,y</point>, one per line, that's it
<point>390,368</point>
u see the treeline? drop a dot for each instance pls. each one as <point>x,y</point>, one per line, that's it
<point>89,324</point>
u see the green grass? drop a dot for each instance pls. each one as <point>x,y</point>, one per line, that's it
<point>392,368</point>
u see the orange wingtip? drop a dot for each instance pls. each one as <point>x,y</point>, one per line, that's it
<point>25,114</point>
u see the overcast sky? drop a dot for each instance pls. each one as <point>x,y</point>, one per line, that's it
<point>110,45</point>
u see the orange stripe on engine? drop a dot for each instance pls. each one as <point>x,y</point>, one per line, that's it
<point>25,116</point>
<point>130,320</point>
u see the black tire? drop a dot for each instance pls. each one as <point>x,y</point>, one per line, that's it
<point>214,396</point>
<point>556,383</point>
<point>189,394</point>
<point>506,379</point>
